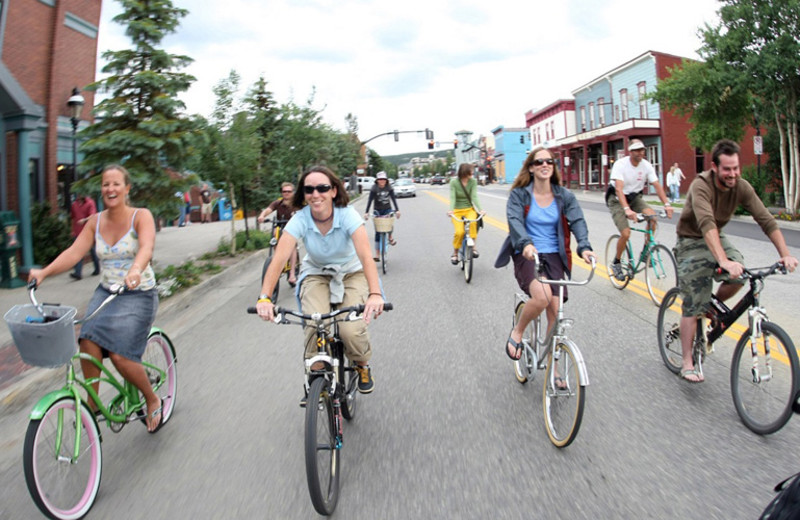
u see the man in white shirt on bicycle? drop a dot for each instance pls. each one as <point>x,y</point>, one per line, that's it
<point>624,196</point>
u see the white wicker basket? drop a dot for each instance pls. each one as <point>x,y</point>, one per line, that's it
<point>383,224</point>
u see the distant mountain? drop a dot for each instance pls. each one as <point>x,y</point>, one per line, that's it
<point>405,158</point>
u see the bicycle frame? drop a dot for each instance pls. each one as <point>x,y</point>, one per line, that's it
<point>558,331</point>
<point>649,242</point>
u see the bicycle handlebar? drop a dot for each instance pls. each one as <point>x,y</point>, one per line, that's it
<point>758,273</point>
<point>641,217</point>
<point>465,219</point>
<point>115,290</point>
<point>281,312</point>
<point>563,282</point>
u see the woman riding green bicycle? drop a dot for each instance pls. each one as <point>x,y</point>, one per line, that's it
<point>123,237</point>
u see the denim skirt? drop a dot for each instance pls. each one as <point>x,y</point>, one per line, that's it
<point>123,325</point>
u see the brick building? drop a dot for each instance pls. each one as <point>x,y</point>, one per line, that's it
<point>47,48</point>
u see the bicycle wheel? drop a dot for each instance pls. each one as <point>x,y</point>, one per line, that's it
<point>562,395</point>
<point>660,272</point>
<point>275,291</point>
<point>350,378</point>
<point>60,486</point>
<point>322,444</point>
<point>765,405</point>
<point>468,263</point>
<point>669,332</point>
<point>160,354</point>
<point>383,252</point>
<point>525,366</point>
<point>611,254</point>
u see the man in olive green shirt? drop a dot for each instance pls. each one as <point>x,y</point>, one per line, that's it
<point>710,203</point>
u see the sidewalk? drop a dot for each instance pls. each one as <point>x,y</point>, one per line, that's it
<point>174,246</point>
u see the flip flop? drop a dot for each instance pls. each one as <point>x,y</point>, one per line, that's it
<point>158,411</point>
<point>475,253</point>
<point>454,259</point>
<point>392,242</point>
<point>517,345</point>
<point>690,372</point>
<point>376,258</point>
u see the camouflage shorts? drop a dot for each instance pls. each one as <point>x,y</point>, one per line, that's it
<point>618,214</point>
<point>696,273</point>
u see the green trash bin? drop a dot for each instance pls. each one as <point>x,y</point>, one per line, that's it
<point>9,245</point>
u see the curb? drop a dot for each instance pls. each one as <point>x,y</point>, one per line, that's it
<point>26,384</point>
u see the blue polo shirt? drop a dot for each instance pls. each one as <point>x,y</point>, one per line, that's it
<point>334,248</point>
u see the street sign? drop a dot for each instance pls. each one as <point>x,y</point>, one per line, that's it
<point>758,145</point>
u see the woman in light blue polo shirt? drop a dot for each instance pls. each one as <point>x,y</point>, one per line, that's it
<point>338,267</point>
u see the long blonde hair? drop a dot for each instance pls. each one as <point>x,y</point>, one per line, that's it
<point>524,175</point>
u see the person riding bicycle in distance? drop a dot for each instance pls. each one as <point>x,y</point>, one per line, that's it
<point>624,196</point>
<point>284,208</point>
<point>464,203</point>
<point>337,268</point>
<point>382,194</point>
<point>710,203</point>
<point>541,214</point>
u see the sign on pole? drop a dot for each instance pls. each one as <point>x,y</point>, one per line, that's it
<point>758,146</point>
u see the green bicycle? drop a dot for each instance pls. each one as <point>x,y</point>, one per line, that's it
<point>62,455</point>
<point>655,259</point>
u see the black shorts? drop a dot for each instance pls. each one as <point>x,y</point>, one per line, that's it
<point>525,271</point>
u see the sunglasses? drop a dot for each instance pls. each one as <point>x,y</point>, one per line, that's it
<point>539,162</point>
<point>321,188</point>
<point>287,191</point>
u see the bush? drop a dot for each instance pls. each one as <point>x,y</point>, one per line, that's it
<point>51,233</point>
<point>173,278</point>
<point>258,240</point>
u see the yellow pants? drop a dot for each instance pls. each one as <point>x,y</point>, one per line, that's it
<point>458,226</point>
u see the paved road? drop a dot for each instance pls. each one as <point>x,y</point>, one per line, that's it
<point>448,432</point>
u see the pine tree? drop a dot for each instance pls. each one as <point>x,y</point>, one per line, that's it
<point>141,123</point>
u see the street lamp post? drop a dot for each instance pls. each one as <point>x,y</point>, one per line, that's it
<point>75,104</point>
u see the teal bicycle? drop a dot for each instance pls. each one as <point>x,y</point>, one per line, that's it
<point>655,259</point>
<point>62,455</point>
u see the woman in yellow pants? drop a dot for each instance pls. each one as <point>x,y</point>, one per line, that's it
<point>464,203</point>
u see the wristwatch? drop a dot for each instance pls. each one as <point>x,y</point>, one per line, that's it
<point>264,297</point>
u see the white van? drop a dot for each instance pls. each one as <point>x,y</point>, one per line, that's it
<point>365,183</point>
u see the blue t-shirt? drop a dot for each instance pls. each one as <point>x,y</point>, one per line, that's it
<point>541,225</point>
<point>336,247</point>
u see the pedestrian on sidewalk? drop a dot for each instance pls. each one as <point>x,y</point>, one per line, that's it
<point>124,237</point>
<point>674,178</point>
<point>205,205</point>
<point>82,208</point>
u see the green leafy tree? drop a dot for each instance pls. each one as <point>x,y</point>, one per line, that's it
<point>750,66</point>
<point>265,113</point>
<point>141,123</point>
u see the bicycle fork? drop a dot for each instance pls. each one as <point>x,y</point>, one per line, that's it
<point>755,315</point>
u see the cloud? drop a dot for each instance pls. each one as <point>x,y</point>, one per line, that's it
<point>445,64</point>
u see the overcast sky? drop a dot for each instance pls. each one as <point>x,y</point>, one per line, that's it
<point>411,64</point>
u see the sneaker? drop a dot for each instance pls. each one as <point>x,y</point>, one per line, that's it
<point>75,276</point>
<point>365,381</point>
<point>616,267</point>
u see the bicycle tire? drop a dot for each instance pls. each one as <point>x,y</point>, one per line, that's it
<point>660,272</point>
<point>61,488</point>
<point>160,353</point>
<point>563,408</point>
<point>383,252</point>
<point>277,289</point>
<point>350,379</point>
<point>611,254</point>
<point>765,407</point>
<point>525,367</point>
<point>468,263</point>
<point>322,448</point>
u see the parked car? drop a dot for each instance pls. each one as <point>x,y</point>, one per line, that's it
<point>438,179</point>
<point>365,183</point>
<point>405,188</point>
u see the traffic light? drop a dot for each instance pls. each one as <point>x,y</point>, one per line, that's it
<point>522,139</point>
<point>396,136</point>
<point>429,134</point>
<point>430,144</point>
<point>455,144</point>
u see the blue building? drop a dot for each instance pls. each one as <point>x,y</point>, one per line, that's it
<point>511,147</point>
